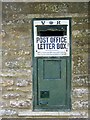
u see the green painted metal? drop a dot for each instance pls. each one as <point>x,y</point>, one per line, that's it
<point>52,77</point>
<point>52,82</point>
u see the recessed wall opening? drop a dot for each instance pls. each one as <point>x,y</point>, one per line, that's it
<point>52,64</point>
<point>51,33</point>
<point>51,30</point>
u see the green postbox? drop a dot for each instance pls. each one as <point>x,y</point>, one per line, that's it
<point>52,64</point>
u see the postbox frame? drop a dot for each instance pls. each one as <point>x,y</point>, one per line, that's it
<point>36,107</point>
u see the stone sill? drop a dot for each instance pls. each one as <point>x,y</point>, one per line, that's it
<point>46,1</point>
<point>29,113</point>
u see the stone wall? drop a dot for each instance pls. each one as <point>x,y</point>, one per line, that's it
<point>16,82</point>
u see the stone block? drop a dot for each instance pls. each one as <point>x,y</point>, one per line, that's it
<point>29,8</point>
<point>16,73</point>
<point>19,89</point>
<point>7,82</point>
<point>80,105</point>
<point>22,82</point>
<point>80,93</point>
<point>80,64</point>
<point>3,104</point>
<point>7,112</point>
<point>11,95</point>
<point>81,80</point>
<point>21,104</point>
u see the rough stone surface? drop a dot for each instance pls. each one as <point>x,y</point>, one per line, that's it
<point>80,104</point>
<point>7,112</point>
<point>21,104</point>
<point>82,80</point>
<point>7,82</point>
<point>17,64</point>
<point>11,95</point>
<point>22,82</point>
<point>80,92</point>
<point>3,104</point>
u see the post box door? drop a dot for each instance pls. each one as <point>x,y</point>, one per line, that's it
<point>52,89</point>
